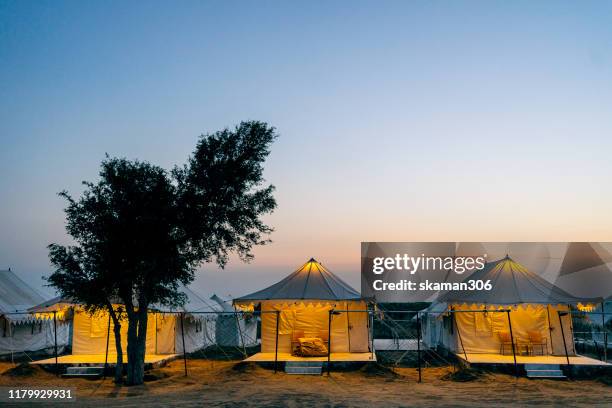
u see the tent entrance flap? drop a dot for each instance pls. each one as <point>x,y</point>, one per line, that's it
<point>483,331</point>
<point>310,319</point>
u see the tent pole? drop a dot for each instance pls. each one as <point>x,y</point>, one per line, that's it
<point>276,342</point>
<point>183,338</point>
<point>549,329</point>
<point>107,340</point>
<point>348,327</point>
<point>155,333</point>
<point>459,334</point>
<point>512,341</point>
<point>419,344</point>
<point>55,340</point>
<point>329,341</point>
<point>605,332</point>
<point>370,334</point>
<point>371,322</point>
<point>563,336</point>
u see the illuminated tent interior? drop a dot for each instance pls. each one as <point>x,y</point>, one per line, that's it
<point>303,301</point>
<point>539,322</point>
<point>89,333</point>
<point>21,331</point>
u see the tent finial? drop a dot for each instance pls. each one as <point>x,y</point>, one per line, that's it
<point>312,260</point>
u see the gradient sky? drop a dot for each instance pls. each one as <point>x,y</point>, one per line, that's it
<point>399,121</point>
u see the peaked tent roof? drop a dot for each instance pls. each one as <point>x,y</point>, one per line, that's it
<point>16,296</point>
<point>512,283</point>
<point>311,281</point>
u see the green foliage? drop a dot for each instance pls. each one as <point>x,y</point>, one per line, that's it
<point>125,232</point>
<point>218,199</point>
<point>140,231</point>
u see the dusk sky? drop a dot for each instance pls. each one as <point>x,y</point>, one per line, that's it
<point>399,121</point>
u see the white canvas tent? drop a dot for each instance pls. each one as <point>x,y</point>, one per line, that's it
<point>21,331</point>
<point>536,306</point>
<point>234,329</point>
<point>303,301</point>
<point>90,335</point>
<point>200,327</point>
<point>212,322</point>
<point>199,320</point>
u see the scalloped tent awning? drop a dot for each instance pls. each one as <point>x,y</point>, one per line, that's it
<point>311,281</point>
<point>513,284</point>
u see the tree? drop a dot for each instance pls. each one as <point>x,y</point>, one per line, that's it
<point>141,231</point>
<point>83,280</point>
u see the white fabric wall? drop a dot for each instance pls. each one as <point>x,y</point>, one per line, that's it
<point>163,341</point>
<point>248,326</point>
<point>197,333</point>
<point>90,334</point>
<point>21,339</point>
<point>476,332</point>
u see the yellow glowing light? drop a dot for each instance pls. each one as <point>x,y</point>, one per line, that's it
<point>585,308</point>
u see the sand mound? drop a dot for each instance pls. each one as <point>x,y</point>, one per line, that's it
<point>463,375</point>
<point>23,370</point>
<point>244,367</point>
<point>378,370</point>
<point>605,379</point>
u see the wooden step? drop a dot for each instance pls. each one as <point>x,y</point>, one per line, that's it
<point>544,371</point>
<point>304,367</point>
<point>84,372</point>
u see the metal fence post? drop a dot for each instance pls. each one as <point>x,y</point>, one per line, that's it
<point>456,326</point>
<point>605,332</point>
<point>371,322</point>
<point>244,352</point>
<point>183,337</point>
<point>560,314</point>
<point>329,319</point>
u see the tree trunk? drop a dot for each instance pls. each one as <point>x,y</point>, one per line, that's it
<point>137,341</point>
<point>131,347</point>
<point>119,364</point>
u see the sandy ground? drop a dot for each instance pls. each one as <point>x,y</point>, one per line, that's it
<point>230,384</point>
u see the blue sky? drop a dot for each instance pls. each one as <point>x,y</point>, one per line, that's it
<point>411,120</point>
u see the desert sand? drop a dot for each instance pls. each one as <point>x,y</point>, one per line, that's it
<point>234,384</point>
